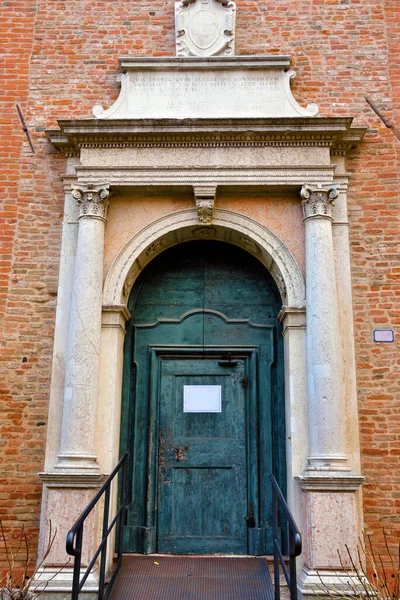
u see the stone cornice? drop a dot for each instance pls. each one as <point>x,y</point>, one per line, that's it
<point>292,318</point>
<point>121,309</point>
<point>115,317</point>
<point>133,63</point>
<point>333,132</point>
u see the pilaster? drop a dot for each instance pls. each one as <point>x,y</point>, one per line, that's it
<point>341,243</point>
<point>64,293</point>
<point>293,321</point>
<point>113,331</point>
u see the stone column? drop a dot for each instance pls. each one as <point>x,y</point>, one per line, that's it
<point>329,504</point>
<point>77,449</point>
<point>324,359</point>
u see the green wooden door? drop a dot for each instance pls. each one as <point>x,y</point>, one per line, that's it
<point>202,501</point>
<point>191,306</point>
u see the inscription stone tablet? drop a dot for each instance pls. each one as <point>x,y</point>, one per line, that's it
<point>179,88</point>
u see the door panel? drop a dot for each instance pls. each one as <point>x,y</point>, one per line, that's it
<point>202,462</point>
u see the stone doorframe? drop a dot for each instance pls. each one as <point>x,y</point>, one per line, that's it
<point>234,228</point>
<point>307,155</point>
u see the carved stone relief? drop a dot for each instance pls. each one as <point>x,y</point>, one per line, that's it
<point>204,233</point>
<point>205,27</point>
<point>205,199</point>
<point>250,245</point>
<point>155,247</point>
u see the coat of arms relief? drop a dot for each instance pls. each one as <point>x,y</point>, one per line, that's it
<point>205,27</point>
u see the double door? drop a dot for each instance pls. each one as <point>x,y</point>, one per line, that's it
<point>203,430</point>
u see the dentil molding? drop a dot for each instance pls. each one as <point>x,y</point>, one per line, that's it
<point>161,134</point>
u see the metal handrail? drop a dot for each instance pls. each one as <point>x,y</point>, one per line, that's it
<point>294,543</point>
<point>74,539</point>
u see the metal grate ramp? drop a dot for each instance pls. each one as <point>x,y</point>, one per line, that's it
<point>193,578</point>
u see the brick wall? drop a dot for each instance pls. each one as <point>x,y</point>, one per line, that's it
<point>376,268</point>
<point>22,401</point>
<point>61,60</point>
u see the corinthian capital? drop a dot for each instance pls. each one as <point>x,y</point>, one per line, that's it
<point>92,200</point>
<point>318,201</point>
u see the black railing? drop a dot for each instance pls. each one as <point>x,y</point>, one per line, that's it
<point>280,505</point>
<point>75,536</point>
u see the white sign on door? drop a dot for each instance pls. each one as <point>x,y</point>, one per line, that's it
<point>202,398</point>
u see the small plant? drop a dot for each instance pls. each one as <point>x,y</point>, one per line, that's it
<point>17,582</point>
<point>373,574</point>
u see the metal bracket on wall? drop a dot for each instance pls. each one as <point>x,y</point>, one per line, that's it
<point>383,119</point>
<point>25,128</point>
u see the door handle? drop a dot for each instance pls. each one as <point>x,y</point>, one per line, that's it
<point>180,454</point>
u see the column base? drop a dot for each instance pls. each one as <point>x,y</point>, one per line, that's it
<point>323,583</point>
<point>77,463</point>
<point>327,462</point>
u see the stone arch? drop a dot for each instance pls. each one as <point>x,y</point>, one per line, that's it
<point>183,226</point>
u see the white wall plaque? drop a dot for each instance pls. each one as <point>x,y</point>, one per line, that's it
<point>383,335</point>
<point>202,398</point>
<point>226,87</point>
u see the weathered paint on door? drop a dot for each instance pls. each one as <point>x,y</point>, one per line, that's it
<point>203,466</point>
<point>198,303</point>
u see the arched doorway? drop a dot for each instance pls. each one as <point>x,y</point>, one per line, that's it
<point>203,402</point>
